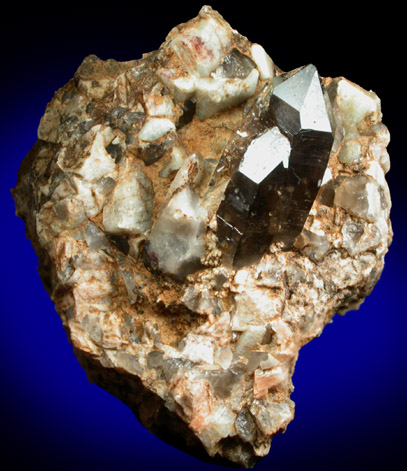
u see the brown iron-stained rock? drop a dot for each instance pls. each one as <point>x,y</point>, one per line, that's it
<point>199,216</point>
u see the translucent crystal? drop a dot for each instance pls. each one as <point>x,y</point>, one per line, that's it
<point>245,425</point>
<point>244,214</point>
<point>270,195</point>
<point>360,195</point>
<point>130,210</point>
<point>176,242</point>
<point>235,65</point>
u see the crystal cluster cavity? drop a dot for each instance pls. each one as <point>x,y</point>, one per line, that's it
<point>199,215</point>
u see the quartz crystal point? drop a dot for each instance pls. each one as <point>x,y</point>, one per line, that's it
<point>199,215</point>
<point>270,195</point>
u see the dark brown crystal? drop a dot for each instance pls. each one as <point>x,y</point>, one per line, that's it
<point>235,65</point>
<point>270,194</point>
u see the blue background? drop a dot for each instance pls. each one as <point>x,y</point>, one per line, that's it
<point>350,384</point>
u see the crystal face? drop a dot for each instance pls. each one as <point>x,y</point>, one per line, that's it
<point>235,65</point>
<point>271,193</point>
<point>155,180</point>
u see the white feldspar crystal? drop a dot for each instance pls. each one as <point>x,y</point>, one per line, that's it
<point>198,348</point>
<point>201,47</point>
<point>269,362</point>
<point>357,105</point>
<point>214,93</point>
<point>155,128</point>
<point>378,144</point>
<point>97,162</point>
<point>253,307</point>
<point>158,104</point>
<point>178,155</point>
<point>217,93</point>
<point>85,192</point>
<point>263,61</point>
<point>130,208</point>
<point>184,87</point>
<point>265,380</point>
<point>350,152</point>
<point>375,170</point>
<point>218,425</point>
<point>177,237</point>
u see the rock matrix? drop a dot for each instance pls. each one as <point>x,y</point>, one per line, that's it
<point>199,215</point>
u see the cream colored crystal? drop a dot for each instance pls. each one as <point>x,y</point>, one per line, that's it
<point>130,207</point>
<point>155,128</point>
<point>263,61</point>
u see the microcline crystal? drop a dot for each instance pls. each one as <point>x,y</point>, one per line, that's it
<point>199,215</point>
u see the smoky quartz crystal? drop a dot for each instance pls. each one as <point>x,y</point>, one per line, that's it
<point>270,194</point>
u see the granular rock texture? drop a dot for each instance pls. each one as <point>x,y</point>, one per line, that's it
<point>199,216</point>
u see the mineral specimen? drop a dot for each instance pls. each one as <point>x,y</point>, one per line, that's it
<point>271,193</point>
<point>200,215</point>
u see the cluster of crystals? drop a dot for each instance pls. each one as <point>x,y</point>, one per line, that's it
<point>271,193</point>
<point>213,75</point>
<point>199,216</point>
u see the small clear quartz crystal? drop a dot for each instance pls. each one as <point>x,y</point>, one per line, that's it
<point>200,215</point>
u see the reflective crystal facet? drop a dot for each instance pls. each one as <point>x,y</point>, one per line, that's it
<point>235,65</point>
<point>271,193</point>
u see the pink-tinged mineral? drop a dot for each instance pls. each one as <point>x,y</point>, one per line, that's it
<point>199,216</point>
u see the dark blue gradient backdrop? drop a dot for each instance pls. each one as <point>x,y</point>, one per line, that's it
<point>350,384</point>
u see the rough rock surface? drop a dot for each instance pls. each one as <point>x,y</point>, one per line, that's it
<point>123,196</point>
